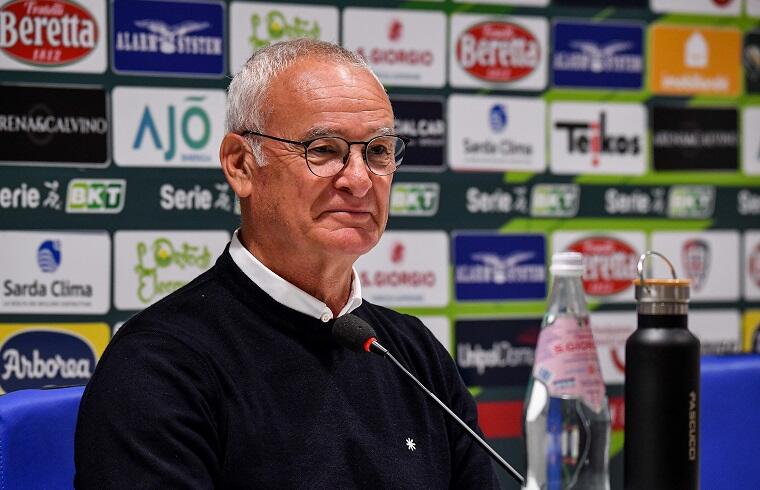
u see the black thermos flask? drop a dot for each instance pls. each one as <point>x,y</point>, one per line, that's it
<point>661,448</point>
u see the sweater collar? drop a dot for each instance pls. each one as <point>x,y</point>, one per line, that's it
<point>286,293</point>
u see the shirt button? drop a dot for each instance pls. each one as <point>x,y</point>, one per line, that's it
<point>326,317</point>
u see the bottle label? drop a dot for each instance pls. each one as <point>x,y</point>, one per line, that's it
<point>567,363</point>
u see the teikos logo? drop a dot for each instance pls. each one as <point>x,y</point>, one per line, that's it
<point>37,356</point>
<point>508,53</point>
<point>405,48</point>
<point>709,259</point>
<point>57,35</point>
<point>596,54</point>
<point>149,265</point>
<point>695,139</point>
<point>168,37</point>
<point>421,120</point>
<point>53,126</point>
<point>255,25</point>
<point>496,352</point>
<point>414,199</point>
<point>751,140</point>
<point>555,200</point>
<point>499,267</point>
<point>164,127</point>
<point>609,261</point>
<point>496,133</point>
<point>693,60</point>
<point>598,138</point>
<point>691,201</point>
<point>100,196</point>
<point>407,268</point>
<point>55,272</point>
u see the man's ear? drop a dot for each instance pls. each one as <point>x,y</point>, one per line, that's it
<point>238,164</point>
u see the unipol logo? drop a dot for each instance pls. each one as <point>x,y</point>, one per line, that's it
<point>39,358</point>
<point>498,51</point>
<point>47,32</point>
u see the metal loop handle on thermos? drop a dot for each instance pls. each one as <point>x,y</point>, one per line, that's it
<point>640,266</point>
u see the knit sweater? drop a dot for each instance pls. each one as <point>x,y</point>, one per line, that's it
<point>218,385</point>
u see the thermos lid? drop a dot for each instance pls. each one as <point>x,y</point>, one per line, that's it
<point>660,290</point>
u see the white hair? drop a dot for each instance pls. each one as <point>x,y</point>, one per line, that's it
<point>248,104</point>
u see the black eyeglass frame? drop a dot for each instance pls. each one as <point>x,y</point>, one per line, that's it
<point>306,144</point>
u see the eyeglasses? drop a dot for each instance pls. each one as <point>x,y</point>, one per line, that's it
<point>326,156</point>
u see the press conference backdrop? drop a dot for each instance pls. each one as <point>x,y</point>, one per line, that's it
<point>604,127</point>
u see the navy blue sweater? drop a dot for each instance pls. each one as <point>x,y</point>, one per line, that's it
<point>218,385</point>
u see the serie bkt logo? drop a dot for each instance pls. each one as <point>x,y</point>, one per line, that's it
<point>414,199</point>
<point>104,196</point>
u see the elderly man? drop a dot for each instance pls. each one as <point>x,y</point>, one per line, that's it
<point>234,380</point>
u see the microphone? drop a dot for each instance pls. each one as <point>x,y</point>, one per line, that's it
<point>356,334</point>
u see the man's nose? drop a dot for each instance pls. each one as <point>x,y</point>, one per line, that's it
<point>354,177</point>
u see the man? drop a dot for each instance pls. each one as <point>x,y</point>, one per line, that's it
<point>234,381</point>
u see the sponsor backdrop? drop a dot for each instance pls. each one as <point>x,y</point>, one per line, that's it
<point>602,126</point>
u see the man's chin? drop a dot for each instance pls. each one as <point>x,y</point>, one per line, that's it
<point>353,241</point>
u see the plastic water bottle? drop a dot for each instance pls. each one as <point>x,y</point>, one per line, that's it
<point>566,419</point>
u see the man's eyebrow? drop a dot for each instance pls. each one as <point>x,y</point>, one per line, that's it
<point>321,131</point>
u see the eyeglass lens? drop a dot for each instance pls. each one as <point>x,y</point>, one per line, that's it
<point>326,156</point>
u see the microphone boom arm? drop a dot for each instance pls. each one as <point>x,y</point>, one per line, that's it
<point>375,347</point>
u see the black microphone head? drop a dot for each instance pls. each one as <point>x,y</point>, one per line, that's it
<point>352,332</point>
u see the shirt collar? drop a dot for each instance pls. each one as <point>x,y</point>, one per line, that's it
<point>286,293</point>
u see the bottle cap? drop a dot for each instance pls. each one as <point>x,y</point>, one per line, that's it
<point>567,264</point>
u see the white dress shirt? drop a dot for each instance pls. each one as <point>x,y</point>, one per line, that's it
<point>286,293</point>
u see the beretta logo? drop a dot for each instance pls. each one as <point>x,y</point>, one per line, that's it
<point>609,264</point>
<point>167,127</point>
<point>509,52</point>
<point>102,196</point>
<point>598,138</point>
<point>496,133</point>
<point>496,352</point>
<point>63,127</point>
<point>168,37</point>
<point>407,268</point>
<point>695,138</point>
<point>255,25</point>
<point>45,34</point>
<point>421,120</point>
<point>46,355</point>
<point>603,55</point>
<point>405,48</point>
<point>414,198</point>
<point>493,266</point>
